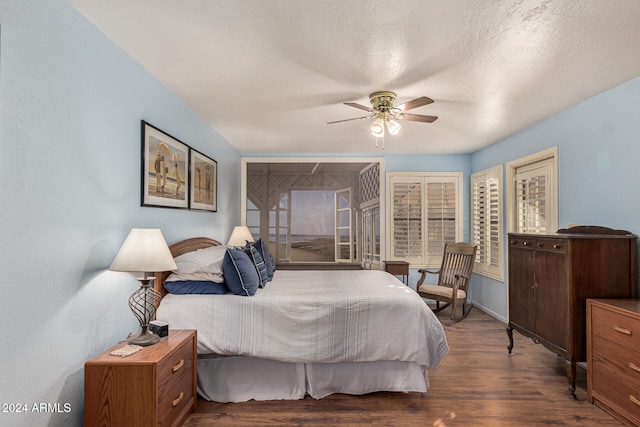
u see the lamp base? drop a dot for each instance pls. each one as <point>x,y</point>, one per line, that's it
<point>145,338</point>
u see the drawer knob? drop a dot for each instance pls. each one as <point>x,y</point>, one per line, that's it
<point>634,367</point>
<point>622,330</point>
<point>525,243</point>
<point>556,246</point>
<point>634,400</point>
<point>178,399</point>
<point>178,365</point>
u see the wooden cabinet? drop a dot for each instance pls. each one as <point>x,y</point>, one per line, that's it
<point>613,356</point>
<point>551,277</point>
<point>154,387</point>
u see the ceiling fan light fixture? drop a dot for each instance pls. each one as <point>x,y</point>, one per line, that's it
<point>393,127</point>
<point>377,128</point>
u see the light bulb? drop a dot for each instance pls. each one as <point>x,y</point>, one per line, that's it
<point>377,128</point>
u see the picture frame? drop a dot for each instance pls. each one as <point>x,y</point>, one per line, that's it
<point>204,182</point>
<point>165,169</point>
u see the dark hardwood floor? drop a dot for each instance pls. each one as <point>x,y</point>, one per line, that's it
<point>478,384</point>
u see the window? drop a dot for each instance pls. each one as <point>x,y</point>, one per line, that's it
<point>425,210</point>
<point>486,221</point>
<point>532,194</point>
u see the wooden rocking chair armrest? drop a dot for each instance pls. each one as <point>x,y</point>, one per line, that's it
<point>457,285</point>
<point>426,270</point>
<point>423,272</point>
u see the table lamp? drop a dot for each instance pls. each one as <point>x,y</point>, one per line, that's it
<point>144,250</point>
<point>240,236</point>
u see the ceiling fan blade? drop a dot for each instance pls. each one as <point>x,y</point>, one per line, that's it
<point>348,120</point>
<point>360,106</point>
<point>418,102</point>
<point>417,117</point>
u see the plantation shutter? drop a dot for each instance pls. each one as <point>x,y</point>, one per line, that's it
<point>486,221</point>
<point>441,218</point>
<point>532,207</point>
<point>407,221</point>
<point>425,215</point>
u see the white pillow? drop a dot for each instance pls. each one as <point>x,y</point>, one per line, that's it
<point>208,260</point>
<point>199,277</point>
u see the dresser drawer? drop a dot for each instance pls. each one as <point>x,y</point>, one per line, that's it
<point>614,327</point>
<point>620,360</point>
<point>521,242</point>
<point>616,392</point>
<point>551,245</point>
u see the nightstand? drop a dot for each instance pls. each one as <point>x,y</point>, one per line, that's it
<point>154,387</point>
<point>398,268</point>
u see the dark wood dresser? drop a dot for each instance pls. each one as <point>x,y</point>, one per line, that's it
<point>551,277</point>
<point>613,356</point>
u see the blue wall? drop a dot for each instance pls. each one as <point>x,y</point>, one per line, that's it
<point>70,109</point>
<point>598,144</point>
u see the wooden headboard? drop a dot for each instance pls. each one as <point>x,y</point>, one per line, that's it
<point>177,249</point>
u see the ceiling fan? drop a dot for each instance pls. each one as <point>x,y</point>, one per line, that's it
<point>386,114</point>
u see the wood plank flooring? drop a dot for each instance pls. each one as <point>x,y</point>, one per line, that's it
<point>478,384</point>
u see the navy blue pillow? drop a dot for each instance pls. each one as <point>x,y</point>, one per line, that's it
<point>266,256</point>
<point>240,274</point>
<point>204,287</point>
<point>258,262</point>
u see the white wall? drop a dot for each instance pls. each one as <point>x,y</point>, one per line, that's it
<point>598,150</point>
<point>70,109</point>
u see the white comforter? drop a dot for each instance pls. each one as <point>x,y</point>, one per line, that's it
<point>315,316</point>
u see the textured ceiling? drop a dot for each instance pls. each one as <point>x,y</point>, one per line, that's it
<point>269,74</point>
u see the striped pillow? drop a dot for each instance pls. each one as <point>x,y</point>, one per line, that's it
<point>258,262</point>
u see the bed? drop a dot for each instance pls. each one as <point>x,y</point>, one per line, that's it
<point>307,333</point>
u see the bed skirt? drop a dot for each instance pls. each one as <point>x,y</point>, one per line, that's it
<point>242,378</point>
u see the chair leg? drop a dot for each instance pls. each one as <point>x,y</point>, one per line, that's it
<point>438,308</point>
<point>453,308</point>
<point>465,310</point>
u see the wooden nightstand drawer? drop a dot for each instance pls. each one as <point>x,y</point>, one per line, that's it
<point>153,387</point>
<point>176,384</point>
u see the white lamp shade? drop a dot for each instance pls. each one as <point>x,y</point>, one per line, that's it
<point>240,236</point>
<point>393,126</point>
<point>144,250</point>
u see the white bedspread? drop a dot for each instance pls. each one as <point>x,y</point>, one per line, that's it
<point>315,316</point>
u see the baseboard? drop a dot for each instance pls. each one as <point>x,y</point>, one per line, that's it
<point>490,312</point>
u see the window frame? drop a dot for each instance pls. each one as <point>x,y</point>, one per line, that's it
<point>424,178</point>
<point>486,268</point>
<point>551,156</point>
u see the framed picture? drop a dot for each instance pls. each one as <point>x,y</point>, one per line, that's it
<point>165,177</point>
<point>204,182</point>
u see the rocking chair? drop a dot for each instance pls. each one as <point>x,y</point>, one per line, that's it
<point>453,279</point>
